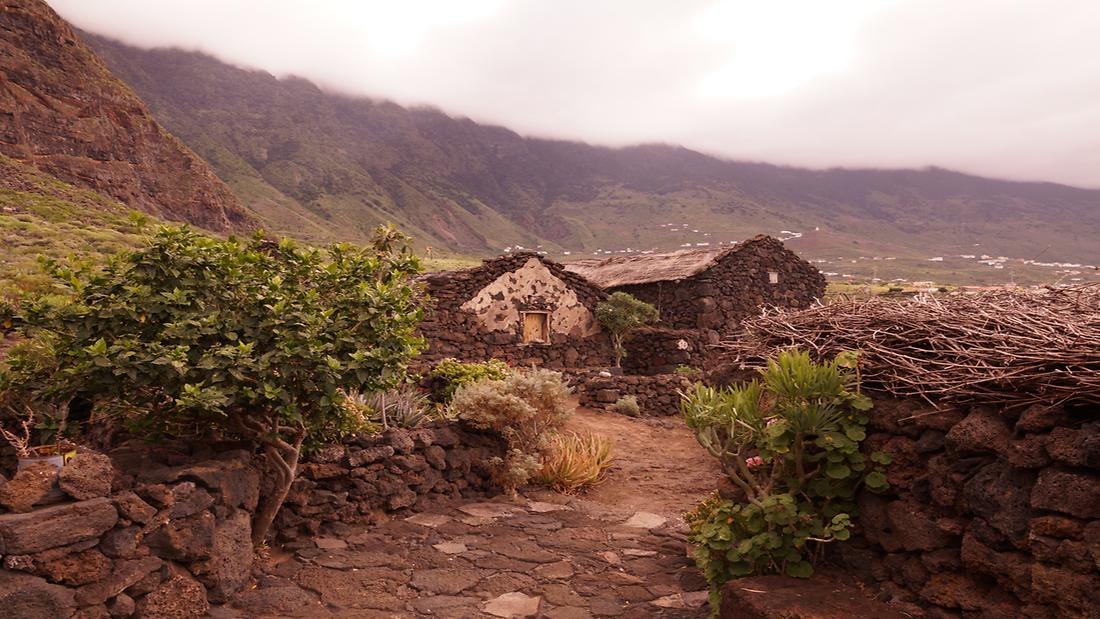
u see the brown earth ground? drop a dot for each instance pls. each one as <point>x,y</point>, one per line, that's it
<point>618,550</point>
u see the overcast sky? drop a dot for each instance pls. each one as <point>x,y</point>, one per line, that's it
<point>1007,88</point>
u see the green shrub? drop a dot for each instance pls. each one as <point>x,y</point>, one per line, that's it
<point>688,372</point>
<point>449,374</point>
<point>254,339</point>
<point>791,444</point>
<point>525,408</point>
<point>401,407</point>
<point>621,314</point>
<point>626,405</point>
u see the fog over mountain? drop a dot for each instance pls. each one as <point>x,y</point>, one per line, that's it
<point>1003,89</point>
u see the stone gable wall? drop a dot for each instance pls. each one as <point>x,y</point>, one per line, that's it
<point>735,287</point>
<point>463,333</point>
<point>992,512</point>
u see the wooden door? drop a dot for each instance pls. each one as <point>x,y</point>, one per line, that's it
<point>536,327</point>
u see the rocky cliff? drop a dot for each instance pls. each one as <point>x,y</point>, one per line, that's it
<point>63,112</point>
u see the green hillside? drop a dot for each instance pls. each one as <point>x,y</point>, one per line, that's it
<point>321,166</point>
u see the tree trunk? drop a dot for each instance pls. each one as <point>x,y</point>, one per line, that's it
<point>283,458</point>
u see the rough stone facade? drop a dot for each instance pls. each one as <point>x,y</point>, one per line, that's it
<point>164,541</point>
<point>656,394</point>
<point>163,531</point>
<point>991,512</point>
<point>735,284</point>
<point>477,314</point>
<point>400,469</point>
<point>652,350</point>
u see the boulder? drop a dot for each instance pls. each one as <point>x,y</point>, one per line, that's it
<point>952,590</point>
<point>87,476</point>
<point>30,597</point>
<point>29,486</point>
<point>121,607</point>
<point>1069,492</point>
<point>124,575</point>
<point>914,528</point>
<point>187,539</point>
<point>132,507</point>
<point>1000,494</point>
<point>59,525</point>
<point>181,597</point>
<point>984,430</point>
<point>1076,447</point>
<point>230,563</point>
<point>73,569</point>
<point>188,499</point>
<point>1073,594</point>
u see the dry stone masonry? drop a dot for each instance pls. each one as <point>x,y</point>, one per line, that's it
<point>711,288</point>
<point>992,511</point>
<point>165,530</point>
<point>479,314</point>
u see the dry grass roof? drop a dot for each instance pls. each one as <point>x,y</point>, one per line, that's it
<point>649,268</point>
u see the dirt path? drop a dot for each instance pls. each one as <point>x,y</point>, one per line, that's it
<point>659,467</point>
<point>617,551</point>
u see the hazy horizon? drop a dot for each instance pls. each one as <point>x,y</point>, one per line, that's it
<point>1003,91</point>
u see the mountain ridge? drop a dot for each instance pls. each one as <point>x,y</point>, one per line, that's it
<point>64,113</point>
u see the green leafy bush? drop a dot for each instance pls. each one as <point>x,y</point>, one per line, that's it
<point>255,339</point>
<point>791,444</point>
<point>626,405</point>
<point>688,372</point>
<point>621,314</point>
<point>525,408</point>
<point>449,374</point>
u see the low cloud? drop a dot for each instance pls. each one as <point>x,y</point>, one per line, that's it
<point>1007,89</point>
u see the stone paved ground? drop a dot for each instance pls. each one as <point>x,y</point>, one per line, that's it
<point>524,558</point>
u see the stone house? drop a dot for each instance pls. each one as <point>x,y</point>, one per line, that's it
<point>711,288</point>
<point>521,308</point>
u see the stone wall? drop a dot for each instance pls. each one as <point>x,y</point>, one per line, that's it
<point>473,314</point>
<point>398,470</point>
<point>654,350</point>
<point>160,542</point>
<point>164,530</point>
<point>656,394</point>
<point>991,512</point>
<point>736,286</point>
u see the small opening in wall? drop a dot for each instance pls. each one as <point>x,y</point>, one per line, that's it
<point>536,327</point>
<point>773,277</point>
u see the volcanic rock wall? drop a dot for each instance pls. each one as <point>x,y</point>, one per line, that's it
<point>991,511</point>
<point>657,394</point>
<point>400,469</point>
<point>736,286</point>
<point>462,323</point>
<point>163,531</point>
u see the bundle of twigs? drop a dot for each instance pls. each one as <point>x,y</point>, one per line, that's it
<point>1004,347</point>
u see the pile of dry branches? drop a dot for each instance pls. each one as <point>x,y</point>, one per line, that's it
<point>1003,347</point>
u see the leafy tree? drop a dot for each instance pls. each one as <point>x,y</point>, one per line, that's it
<point>620,314</point>
<point>254,339</point>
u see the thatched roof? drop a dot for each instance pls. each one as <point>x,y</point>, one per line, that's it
<point>649,268</point>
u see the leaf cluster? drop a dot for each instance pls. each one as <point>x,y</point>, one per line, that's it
<point>791,443</point>
<point>229,334</point>
<point>449,374</point>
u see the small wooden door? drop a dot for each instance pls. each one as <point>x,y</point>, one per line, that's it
<point>536,327</point>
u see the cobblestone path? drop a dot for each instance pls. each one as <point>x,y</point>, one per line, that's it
<point>525,558</point>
